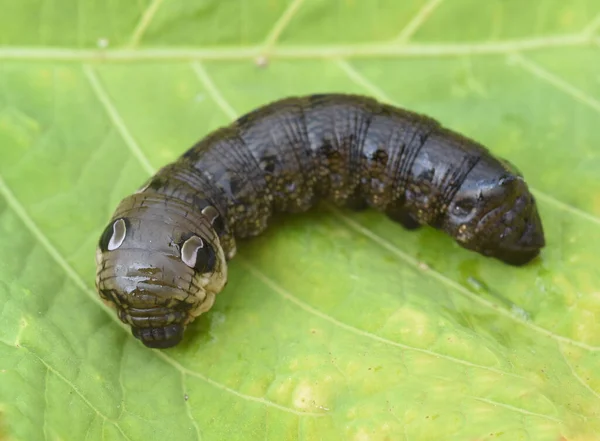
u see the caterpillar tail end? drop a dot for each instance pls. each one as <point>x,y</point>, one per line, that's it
<point>526,247</point>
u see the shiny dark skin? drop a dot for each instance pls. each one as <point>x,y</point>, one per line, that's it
<point>159,272</point>
<point>347,150</point>
<point>159,338</point>
<point>497,218</point>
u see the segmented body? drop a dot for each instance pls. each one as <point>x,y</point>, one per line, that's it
<point>284,157</point>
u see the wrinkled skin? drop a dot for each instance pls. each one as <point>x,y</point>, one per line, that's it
<point>146,279</point>
<point>496,217</point>
<point>162,258</point>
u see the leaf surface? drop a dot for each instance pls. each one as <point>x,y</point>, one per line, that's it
<point>334,325</point>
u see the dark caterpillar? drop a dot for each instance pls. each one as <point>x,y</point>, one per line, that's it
<point>163,257</point>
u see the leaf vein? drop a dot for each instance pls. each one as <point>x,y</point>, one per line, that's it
<point>280,25</point>
<point>592,27</point>
<point>75,389</point>
<point>45,429</point>
<point>212,90</point>
<point>293,299</point>
<point>361,80</point>
<point>517,409</point>
<point>116,119</point>
<point>418,20</point>
<point>577,376</point>
<point>14,204</point>
<point>252,398</point>
<point>188,407</point>
<point>451,283</point>
<point>554,80</point>
<point>144,23</point>
<point>366,50</point>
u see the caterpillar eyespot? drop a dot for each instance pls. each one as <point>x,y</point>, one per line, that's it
<point>197,254</point>
<point>163,256</point>
<point>113,235</point>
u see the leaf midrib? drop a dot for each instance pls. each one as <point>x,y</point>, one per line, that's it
<point>289,51</point>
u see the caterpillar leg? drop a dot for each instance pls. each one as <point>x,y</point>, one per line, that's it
<point>403,217</point>
<point>356,203</point>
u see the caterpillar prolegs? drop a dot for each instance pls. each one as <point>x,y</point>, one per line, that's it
<point>163,256</point>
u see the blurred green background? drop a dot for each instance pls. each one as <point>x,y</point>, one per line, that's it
<point>334,325</point>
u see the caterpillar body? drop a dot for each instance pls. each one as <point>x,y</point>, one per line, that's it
<point>163,256</point>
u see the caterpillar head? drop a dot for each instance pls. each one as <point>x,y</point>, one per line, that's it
<point>158,274</point>
<point>497,217</point>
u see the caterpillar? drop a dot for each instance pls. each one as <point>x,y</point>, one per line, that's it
<point>163,256</point>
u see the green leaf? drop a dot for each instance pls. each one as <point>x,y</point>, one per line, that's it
<point>334,325</point>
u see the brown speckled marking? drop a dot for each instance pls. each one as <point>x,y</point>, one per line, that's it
<point>350,150</point>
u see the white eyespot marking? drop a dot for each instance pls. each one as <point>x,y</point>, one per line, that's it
<point>189,250</point>
<point>211,213</point>
<point>118,236</point>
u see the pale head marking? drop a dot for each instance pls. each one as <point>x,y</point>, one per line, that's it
<point>211,213</point>
<point>118,236</point>
<point>189,250</point>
